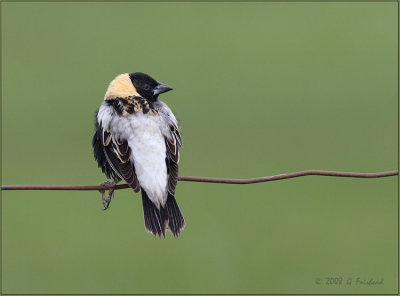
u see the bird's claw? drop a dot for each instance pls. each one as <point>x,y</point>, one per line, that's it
<point>111,188</point>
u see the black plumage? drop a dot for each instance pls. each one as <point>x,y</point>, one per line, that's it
<point>99,154</point>
<point>113,156</point>
<point>158,220</point>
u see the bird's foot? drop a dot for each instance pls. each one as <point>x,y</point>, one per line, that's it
<point>111,188</point>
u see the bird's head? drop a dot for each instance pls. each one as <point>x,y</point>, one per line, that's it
<point>135,84</point>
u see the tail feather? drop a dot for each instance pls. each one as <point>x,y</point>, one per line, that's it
<point>176,222</point>
<point>152,216</point>
<point>168,217</point>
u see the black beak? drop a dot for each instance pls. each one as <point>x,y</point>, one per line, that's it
<point>161,88</point>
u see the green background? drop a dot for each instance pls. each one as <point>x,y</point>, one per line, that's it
<point>259,89</point>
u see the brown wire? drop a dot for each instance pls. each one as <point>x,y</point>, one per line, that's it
<point>212,180</point>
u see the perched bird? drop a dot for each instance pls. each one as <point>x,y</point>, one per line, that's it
<point>137,140</point>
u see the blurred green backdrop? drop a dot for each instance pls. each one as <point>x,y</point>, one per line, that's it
<point>260,89</point>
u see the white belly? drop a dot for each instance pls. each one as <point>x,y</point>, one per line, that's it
<point>147,143</point>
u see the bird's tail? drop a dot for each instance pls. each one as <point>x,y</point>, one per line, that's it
<point>157,221</point>
<point>176,222</point>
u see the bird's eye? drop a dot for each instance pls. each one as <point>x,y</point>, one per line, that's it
<point>146,87</point>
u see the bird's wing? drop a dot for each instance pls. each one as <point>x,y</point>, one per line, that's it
<point>118,156</point>
<point>173,143</point>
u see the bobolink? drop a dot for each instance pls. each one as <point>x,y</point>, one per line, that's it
<point>137,140</point>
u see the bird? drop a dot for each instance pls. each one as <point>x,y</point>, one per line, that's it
<point>137,139</point>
